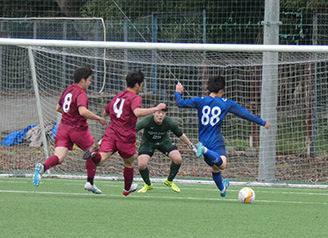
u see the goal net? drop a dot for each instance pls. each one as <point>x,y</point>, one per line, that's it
<point>28,102</point>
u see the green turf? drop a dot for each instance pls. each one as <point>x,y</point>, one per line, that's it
<point>61,208</point>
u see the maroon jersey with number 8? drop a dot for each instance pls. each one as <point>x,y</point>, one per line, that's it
<point>73,97</point>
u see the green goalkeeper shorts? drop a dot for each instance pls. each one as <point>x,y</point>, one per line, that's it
<point>148,148</point>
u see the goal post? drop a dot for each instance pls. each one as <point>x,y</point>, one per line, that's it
<point>300,152</point>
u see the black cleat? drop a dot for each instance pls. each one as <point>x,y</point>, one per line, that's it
<point>90,153</point>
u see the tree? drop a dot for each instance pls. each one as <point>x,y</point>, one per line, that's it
<point>70,8</point>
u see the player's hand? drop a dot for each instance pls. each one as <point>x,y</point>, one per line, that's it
<point>102,121</point>
<point>161,106</point>
<point>267,125</point>
<point>179,88</point>
<point>193,148</point>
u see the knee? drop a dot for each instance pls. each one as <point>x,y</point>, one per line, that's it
<point>177,160</point>
<point>176,157</point>
<point>142,166</point>
<point>224,163</point>
<point>223,166</point>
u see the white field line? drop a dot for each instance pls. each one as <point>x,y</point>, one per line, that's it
<point>178,181</point>
<point>267,190</point>
<point>163,197</point>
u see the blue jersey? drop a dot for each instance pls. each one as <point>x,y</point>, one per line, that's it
<point>211,112</point>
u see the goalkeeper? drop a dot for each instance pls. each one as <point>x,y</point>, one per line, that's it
<point>155,136</point>
<point>211,112</point>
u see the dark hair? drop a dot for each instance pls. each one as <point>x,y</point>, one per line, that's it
<point>215,84</point>
<point>134,77</point>
<point>82,72</point>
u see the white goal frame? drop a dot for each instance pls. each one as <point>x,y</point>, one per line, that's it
<point>265,49</point>
<point>166,46</point>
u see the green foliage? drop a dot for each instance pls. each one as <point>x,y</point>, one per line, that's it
<point>305,5</point>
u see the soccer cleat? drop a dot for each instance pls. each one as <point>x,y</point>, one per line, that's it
<point>90,153</point>
<point>226,185</point>
<point>92,188</point>
<point>171,184</point>
<point>145,188</point>
<point>37,175</point>
<point>200,149</point>
<point>132,189</point>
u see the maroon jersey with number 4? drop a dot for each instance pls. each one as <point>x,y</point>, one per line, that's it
<point>73,97</point>
<point>123,121</point>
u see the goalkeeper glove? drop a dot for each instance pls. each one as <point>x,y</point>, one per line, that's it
<point>194,149</point>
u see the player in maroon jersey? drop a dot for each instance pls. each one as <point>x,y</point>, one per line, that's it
<point>73,129</point>
<point>120,134</point>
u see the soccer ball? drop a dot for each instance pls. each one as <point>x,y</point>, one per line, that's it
<point>246,195</point>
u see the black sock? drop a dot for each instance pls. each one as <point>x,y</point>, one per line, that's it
<point>145,175</point>
<point>90,180</point>
<point>174,169</point>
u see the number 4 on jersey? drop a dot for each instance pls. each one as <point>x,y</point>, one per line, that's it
<point>119,110</point>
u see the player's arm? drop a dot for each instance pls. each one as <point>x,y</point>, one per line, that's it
<point>186,140</point>
<point>142,124</point>
<point>184,103</point>
<point>177,131</point>
<point>140,112</point>
<point>59,108</point>
<point>89,115</point>
<point>105,114</point>
<point>242,112</point>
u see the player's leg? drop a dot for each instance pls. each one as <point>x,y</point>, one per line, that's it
<point>128,152</point>
<point>57,158</point>
<point>91,173</point>
<point>91,166</point>
<point>85,141</point>
<point>107,148</point>
<point>176,158</point>
<point>217,177</point>
<point>128,174</point>
<point>214,156</point>
<point>143,160</point>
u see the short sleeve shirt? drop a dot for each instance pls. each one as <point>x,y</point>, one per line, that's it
<point>71,99</point>
<point>123,120</point>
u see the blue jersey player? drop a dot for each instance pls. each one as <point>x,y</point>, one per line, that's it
<point>211,112</point>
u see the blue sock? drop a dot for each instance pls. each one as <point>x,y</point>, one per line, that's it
<point>217,177</point>
<point>214,157</point>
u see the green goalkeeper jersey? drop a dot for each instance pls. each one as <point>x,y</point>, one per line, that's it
<point>154,133</point>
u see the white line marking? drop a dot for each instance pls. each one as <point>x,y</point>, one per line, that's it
<point>162,197</point>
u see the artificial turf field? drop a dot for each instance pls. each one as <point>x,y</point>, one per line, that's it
<point>62,208</point>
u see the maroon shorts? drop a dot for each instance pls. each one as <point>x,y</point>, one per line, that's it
<point>110,144</point>
<point>83,139</point>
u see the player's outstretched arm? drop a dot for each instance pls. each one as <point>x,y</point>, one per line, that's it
<point>186,140</point>
<point>140,112</point>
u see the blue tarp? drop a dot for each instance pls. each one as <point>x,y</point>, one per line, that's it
<point>16,137</point>
<point>54,130</point>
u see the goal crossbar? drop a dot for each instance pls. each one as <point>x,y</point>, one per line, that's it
<point>165,46</point>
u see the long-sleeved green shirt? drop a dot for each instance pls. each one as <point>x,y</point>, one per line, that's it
<point>155,133</point>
